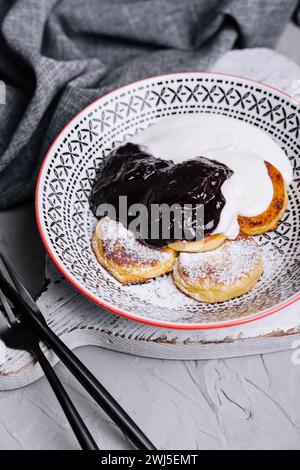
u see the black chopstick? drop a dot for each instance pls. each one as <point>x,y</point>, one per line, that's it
<point>79,370</point>
<point>78,426</point>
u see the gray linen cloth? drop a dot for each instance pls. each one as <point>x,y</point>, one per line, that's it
<point>56,56</point>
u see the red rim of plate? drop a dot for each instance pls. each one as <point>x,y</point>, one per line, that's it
<point>111,308</point>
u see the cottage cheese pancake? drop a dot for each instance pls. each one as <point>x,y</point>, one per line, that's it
<point>215,276</point>
<point>126,258</point>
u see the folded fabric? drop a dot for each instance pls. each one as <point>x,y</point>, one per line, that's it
<point>56,56</point>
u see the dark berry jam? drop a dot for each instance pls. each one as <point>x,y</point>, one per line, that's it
<point>144,179</point>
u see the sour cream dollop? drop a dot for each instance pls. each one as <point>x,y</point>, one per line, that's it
<point>239,145</point>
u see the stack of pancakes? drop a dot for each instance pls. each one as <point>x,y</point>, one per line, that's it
<point>214,269</point>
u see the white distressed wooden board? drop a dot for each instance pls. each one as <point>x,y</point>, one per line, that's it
<point>79,322</point>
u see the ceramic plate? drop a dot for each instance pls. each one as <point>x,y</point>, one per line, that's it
<point>66,222</point>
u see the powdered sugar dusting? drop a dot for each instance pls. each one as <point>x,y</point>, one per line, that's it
<point>115,234</point>
<point>228,263</point>
<point>161,292</point>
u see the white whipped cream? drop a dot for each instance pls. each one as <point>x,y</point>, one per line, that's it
<point>240,146</point>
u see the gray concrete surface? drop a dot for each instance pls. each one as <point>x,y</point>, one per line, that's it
<point>20,241</point>
<point>221,408</point>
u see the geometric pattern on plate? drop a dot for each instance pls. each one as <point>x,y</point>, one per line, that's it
<point>69,170</point>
